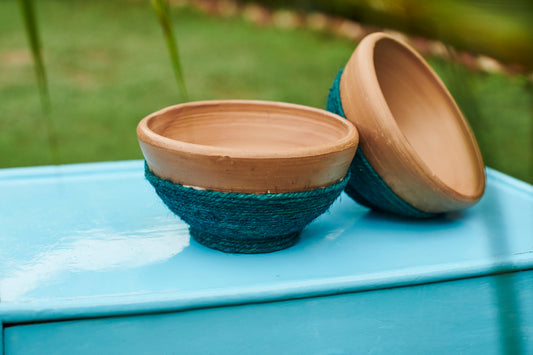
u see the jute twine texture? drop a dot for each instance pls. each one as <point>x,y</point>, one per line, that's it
<point>241,222</point>
<point>365,185</point>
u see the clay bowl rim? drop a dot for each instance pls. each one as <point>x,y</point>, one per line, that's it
<point>388,123</point>
<point>148,136</point>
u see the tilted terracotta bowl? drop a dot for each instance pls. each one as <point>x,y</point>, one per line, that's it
<point>412,133</point>
<point>259,157</point>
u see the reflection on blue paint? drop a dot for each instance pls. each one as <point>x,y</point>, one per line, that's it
<point>92,250</point>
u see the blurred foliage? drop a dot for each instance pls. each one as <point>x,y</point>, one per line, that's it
<point>32,31</point>
<point>162,12</point>
<point>27,8</point>
<point>108,67</point>
<point>499,28</point>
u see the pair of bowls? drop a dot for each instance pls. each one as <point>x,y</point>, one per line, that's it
<point>248,176</point>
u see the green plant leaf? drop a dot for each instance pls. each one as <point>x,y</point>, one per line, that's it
<point>32,31</point>
<point>163,14</point>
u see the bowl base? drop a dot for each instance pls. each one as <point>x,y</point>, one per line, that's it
<point>245,245</point>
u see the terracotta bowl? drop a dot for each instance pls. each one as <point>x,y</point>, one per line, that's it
<point>244,151</point>
<point>412,133</point>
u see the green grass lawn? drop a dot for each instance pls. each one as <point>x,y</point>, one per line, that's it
<point>108,67</point>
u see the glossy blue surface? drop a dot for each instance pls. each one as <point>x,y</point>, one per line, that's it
<point>456,317</point>
<point>98,230</point>
<point>93,240</point>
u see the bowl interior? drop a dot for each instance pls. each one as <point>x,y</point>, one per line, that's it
<point>427,116</point>
<point>254,128</point>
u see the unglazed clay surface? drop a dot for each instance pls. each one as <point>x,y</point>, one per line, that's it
<point>423,115</point>
<point>255,133</point>
<point>248,146</point>
<point>412,132</point>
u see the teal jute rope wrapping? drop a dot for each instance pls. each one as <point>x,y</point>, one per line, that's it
<point>365,185</point>
<point>245,223</point>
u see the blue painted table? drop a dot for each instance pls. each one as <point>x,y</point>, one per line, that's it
<point>92,262</point>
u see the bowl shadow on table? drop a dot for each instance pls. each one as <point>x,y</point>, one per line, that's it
<point>387,220</point>
<point>348,219</point>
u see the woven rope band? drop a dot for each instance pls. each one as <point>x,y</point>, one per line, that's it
<point>245,223</point>
<point>365,185</point>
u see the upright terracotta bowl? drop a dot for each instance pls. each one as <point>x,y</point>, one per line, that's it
<point>412,134</point>
<point>240,172</point>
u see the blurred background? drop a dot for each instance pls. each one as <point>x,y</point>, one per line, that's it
<point>107,66</point>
